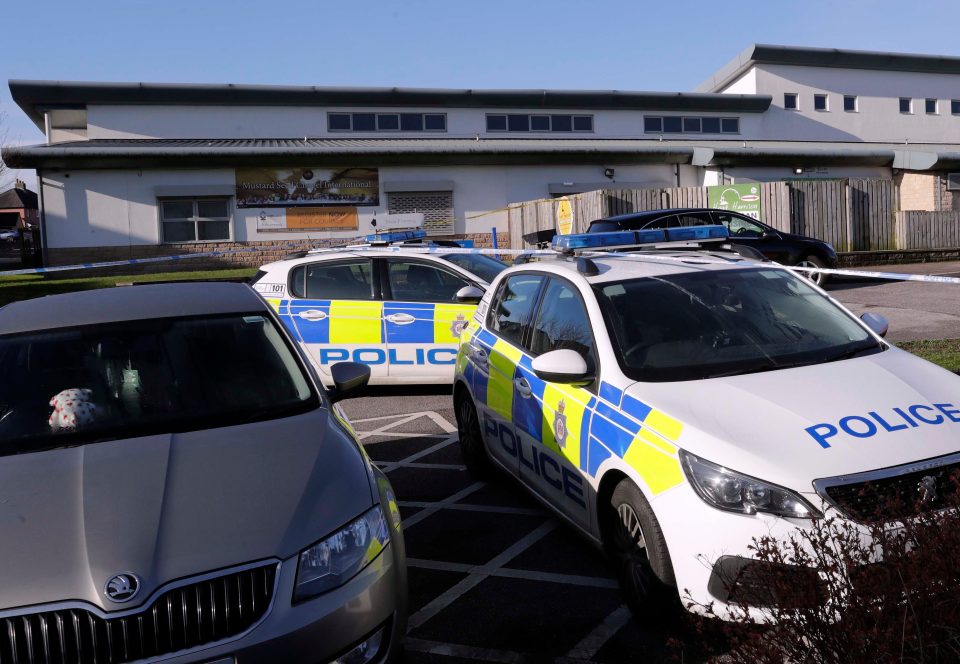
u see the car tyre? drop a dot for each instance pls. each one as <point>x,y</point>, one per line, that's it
<point>471,439</point>
<point>819,278</point>
<point>637,549</point>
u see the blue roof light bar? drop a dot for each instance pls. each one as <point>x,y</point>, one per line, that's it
<point>653,236</point>
<point>397,236</point>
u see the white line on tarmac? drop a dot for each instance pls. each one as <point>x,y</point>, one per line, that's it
<point>387,466</point>
<point>465,652</point>
<point>510,573</point>
<point>439,505</point>
<point>592,642</point>
<point>470,507</point>
<point>458,590</point>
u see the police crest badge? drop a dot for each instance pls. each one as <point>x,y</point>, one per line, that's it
<point>560,424</point>
<point>456,327</point>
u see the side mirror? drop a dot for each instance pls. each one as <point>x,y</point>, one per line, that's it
<point>469,295</point>
<point>876,322</point>
<point>349,379</point>
<point>561,366</point>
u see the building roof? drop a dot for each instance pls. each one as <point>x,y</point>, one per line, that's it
<point>827,57</point>
<point>114,305</point>
<point>230,153</point>
<point>35,97</point>
<point>16,198</point>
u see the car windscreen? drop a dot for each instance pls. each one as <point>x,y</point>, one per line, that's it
<point>121,380</point>
<point>713,323</point>
<point>481,265</point>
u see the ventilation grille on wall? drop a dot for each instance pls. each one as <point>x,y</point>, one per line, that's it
<point>436,206</point>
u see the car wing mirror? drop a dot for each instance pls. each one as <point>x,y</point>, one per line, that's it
<point>562,366</point>
<point>349,379</point>
<point>876,322</point>
<point>469,295</point>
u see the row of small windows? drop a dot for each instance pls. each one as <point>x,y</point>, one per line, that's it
<point>387,121</point>
<point>526,122</point>
<point>851,103</point>
<point>673,124</point>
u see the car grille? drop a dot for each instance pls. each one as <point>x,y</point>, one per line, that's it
<point>896,495</point>
<point>179,619</point>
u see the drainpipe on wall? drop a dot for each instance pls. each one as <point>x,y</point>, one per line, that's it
<point>676,170</point>
<point>43,221</point>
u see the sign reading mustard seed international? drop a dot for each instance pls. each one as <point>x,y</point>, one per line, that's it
<point>742,198</point>
<point>305,199</point>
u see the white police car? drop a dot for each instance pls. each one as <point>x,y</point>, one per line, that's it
<point>397,308</point>
<point>672,405</point>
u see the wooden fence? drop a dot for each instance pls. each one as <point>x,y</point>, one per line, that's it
<point>852,215</point>
<point>928,230</point>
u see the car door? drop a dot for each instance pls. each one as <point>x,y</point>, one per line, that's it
<point>749,232</point>
<point>554,418</point>
<point>336,308</point>
<point>422,320</point>
<point>497,353</point>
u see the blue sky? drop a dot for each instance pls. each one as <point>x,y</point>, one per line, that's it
<point>603,44</point>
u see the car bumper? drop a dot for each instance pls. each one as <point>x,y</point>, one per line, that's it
<point>323,628</point>
<point>710,548</point>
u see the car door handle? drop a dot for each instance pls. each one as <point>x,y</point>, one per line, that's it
<point>523,387</point>
<point>401,319</point>
<point>312,314</point>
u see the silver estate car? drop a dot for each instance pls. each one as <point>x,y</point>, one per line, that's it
<point>176,485</point>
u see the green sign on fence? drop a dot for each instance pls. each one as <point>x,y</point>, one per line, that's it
<point>742,198</point>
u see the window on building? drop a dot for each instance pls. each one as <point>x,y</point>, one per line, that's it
<point>539,123</point>
<point>820,102</point>
<point>373,122</point>
<point>692,125</point>
<point>194,219</point>
<point>931,106</point>
<point>850,103</point>
<point>955,106</point>
<point>652,124</point>
<point>710,125</point>
<point>553,123</point>
<point>583,123</point>
<point>906,105</point>
<point>561,123</point>
<point>791,101</point>
<point>517,122</point>
<point>730,125</point>
<point>496,123</point>
<point>672,125</point>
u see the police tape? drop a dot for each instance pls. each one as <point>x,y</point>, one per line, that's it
<point>890,276</point>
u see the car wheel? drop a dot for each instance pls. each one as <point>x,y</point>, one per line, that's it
<point>638,551</point>
<point>819,278</point>
<point>471,440</point>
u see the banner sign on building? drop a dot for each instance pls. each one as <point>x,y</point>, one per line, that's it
<point>307,187</point>
<point>742,198</point>
<point>301,219</point>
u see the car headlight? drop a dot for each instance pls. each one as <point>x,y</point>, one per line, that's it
<point>728,490</point>
<point>333,561</point>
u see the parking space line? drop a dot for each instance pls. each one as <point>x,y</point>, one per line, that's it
<point>383,429</point>
<point>430,450</point>
<point>458,590</point>
<point>465,652</point>
<point>592,642</point>
<point>510,573</point>
<point>441,421</point>
<point>469,507</point>
<point>388,466</point>
<point>437,506</point>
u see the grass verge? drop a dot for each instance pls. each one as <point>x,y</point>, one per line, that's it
<point>29,286</point>
<point>945,352</point>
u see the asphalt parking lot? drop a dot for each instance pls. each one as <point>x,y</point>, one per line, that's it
<point>493,577</point>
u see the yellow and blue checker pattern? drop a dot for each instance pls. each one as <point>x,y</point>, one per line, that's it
<point>584,428</point>
<point>367,322</point>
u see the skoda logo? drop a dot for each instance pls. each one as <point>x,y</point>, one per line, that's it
<point>122,588</point>
<point>927,489</point>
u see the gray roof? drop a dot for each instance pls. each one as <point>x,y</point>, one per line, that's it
<point>34,97</point>
<point>827,57</point>
<point>16,198</point>
<point>114,305</point>
<point>230,153</point>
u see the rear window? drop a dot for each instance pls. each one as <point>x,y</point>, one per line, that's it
<point>69,387</point>
<point>483,266</point>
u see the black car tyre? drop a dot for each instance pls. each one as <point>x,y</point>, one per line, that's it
<point>819,278</point>
<point>471,439</point>
<point>638,551</point>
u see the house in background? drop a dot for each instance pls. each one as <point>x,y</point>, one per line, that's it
<point>18,208</point>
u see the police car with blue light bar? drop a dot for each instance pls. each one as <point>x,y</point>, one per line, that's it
<point>396,303</point>
<point>675,401</point>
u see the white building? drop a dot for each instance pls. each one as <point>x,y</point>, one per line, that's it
<point>136,169</point>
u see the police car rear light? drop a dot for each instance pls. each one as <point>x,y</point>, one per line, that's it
<point>568,243</point>
<point>396,236</point>
<point>688,233</point>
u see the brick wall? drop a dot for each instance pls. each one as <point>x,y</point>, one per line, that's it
<point>918,191</point>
